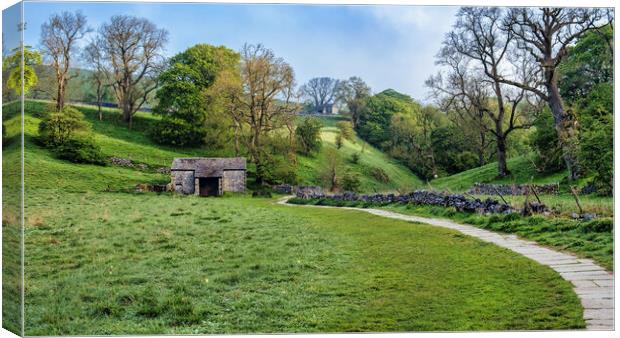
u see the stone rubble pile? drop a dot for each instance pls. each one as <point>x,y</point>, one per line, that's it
<point>422,197</point>
<point>123,162</point>
<point>513,189</point>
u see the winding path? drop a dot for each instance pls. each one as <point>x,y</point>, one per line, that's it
<point>593,284</point>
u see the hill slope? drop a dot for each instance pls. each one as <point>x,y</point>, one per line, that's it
<point>400,177</point>
<point>522,169</point>
<point>117,140</point>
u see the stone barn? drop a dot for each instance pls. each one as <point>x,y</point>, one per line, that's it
<point>208,176</point>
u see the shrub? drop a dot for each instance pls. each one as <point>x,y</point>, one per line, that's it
<point>350,181</point>
<point>56,128</point>
<point>465,161</point>
<point>380,175</point>
<point>546,146</point>
<point>346,129</point>
<point>355,158</point>
<point>598,225</point>
<point>80,149</point>
<point>339,141</point>
<point>277,169</point>
<point>177,132</point>
<point>309,135</point>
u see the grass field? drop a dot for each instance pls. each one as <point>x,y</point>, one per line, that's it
<point>100,260</point>
<point>118,263</point>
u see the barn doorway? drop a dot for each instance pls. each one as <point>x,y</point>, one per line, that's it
<point>209,186</point>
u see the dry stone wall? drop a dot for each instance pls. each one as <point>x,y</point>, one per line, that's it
<point>513,189</point>
<point>422,197</point>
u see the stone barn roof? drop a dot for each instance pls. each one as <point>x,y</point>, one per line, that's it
<point>209,166</point>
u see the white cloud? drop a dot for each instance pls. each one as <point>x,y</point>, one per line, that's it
<point>420,18</point>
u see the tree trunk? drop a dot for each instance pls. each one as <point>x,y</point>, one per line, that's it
<point>257,158</point>
<point>565,128</point>
<point>99,100</point>
<point>481,149</point>
<point>502,166</point>
<point>60,95</point>
<point>236,138</point>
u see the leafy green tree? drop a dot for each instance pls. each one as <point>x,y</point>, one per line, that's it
<point>183,98</point>
<point>12,64</point>
<point>376,115</point>
<point>588,63</point>
<point>309,135</point>
<point>587,86</point>
<point>597,134</point>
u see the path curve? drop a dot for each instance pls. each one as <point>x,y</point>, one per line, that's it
<point>592,283</point>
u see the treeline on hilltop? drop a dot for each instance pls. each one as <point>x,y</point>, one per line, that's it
<point>512,82</point>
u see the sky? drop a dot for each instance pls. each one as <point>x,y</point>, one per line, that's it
<point>387,46</point>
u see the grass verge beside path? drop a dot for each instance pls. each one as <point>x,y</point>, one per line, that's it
<point>590,239</point>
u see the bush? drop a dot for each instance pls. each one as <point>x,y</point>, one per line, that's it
<point>339,141</point>
<point>546,146</point>
<point>177,132</point>
<point>56,128</point>
<point>309,135</point>
<point>350,181</point>
<point>80,150</point>
<point>346,129</point>
<point>465,161</point>
<point>355,158</point>
<point>277,169</point>
<point>380,175</point>
<point>598,225</point>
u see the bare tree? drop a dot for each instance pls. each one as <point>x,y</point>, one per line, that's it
<point>465,98</point>
<point>58,37</point>
<point>93,55</point>
<point>266,100</point>
<point>321,91</point>
<point>353,92</point>
<point>478,34</point>
<point>132,47</point>
<point>546,34</point>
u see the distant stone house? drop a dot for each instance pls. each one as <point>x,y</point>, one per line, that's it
<point>208,176</point>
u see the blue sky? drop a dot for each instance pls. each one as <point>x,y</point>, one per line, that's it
<point>388,46</point>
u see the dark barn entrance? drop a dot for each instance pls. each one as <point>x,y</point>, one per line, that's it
<point>209,186</point>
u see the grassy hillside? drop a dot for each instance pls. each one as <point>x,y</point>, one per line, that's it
<point>400,177</point>
<point>117,140</point>
<point>522,171</point>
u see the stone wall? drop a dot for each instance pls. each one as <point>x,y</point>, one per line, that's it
<point>233,180</point>
<point>309,192</point>
<point>513,189</point>
<point>183,182</point>
<point>422,197</point>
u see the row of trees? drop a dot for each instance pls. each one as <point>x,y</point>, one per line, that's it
<point>502,71</point>
<point>503,67</point>
<point>125,55</point>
